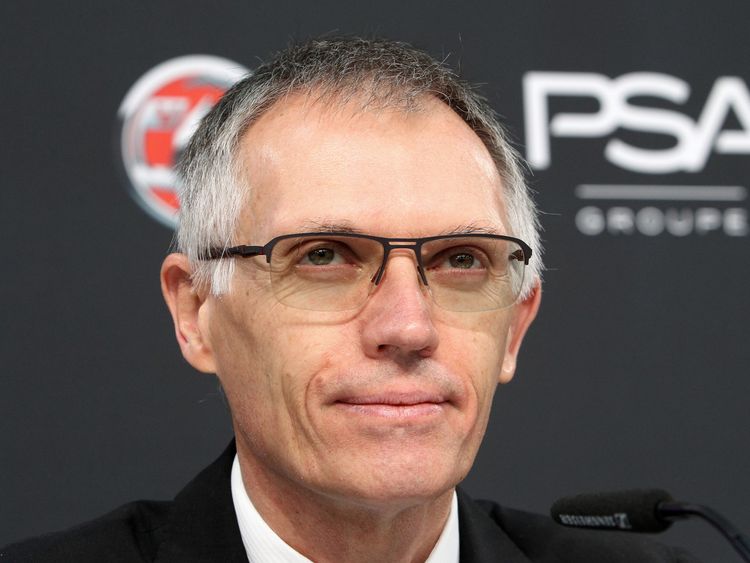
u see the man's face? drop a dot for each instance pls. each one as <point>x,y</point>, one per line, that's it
<point>388,402</point>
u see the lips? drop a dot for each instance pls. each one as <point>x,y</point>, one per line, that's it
<point>395,405</point>
<point>426,390</point>
<point>395,398</point>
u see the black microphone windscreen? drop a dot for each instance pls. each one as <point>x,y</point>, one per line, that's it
<point>633,510</point>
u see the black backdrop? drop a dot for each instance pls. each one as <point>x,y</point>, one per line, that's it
<point>635,373</point>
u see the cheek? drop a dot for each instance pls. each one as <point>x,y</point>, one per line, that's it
<point>244,355</point>
<point>268,361</point>
<point>475,347</point>
<point>476,344</point>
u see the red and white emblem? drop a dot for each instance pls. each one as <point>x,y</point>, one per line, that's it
<point>158,116</point>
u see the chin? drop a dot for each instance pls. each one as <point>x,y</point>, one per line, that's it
<point>402,481</point>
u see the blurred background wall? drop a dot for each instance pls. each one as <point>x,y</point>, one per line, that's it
<point>635,117</point>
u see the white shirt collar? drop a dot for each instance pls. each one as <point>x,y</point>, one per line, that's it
<point>262,544</point>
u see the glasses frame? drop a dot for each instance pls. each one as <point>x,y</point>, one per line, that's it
<point>388,243</point>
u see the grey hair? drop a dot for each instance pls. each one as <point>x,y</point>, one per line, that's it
<point>382,73</point>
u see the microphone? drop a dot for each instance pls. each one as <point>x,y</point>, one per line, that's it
<point>640,510</point>
<point>633,510</point>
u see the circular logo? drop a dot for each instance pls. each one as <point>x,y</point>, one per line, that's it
<point>158,115</point>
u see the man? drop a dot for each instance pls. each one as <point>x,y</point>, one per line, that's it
<point>358,263</point>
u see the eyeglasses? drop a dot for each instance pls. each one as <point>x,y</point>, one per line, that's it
<point>333,271</point>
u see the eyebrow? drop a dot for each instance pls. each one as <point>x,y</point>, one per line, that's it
<point>471,229</point>
<point>326,226</point>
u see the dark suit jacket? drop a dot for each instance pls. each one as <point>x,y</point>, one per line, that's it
<point>200,525</point>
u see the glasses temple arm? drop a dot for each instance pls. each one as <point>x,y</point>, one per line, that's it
<point>242,251</point>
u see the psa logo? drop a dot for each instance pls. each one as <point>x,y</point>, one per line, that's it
<point>645,209</point>
<point>695,140</point>
<point>158,116</point>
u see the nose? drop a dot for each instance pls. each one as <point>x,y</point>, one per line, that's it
<point>397,319</point>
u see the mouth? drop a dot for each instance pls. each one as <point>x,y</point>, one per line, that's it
<point>397,405</point>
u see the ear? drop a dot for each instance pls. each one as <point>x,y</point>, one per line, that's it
<point>189,311</point>
<point>523,315</point>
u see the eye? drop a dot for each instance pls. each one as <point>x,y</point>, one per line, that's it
<point>459,259</point>
<point>324,253</point>
<point>463,261</point>
<point>320,256</point>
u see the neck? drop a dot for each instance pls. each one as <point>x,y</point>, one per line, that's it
<point>327,527</point>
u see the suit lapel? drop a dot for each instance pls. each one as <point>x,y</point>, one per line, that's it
<point>482,539</point>
<point>203,526</point>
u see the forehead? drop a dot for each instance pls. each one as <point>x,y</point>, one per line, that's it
<point>386,172</point>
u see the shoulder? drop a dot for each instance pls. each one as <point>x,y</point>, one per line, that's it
<point>198,525</point>
<point>128,533</point>
<point>542,540</point>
